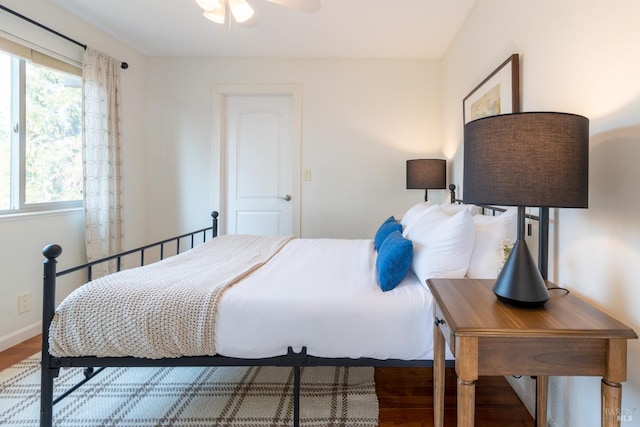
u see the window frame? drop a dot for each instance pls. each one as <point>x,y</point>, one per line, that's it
<point>19,56</point>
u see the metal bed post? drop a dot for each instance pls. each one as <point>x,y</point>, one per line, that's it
<point>48,372</point>
<point>543,242</point>
<point>452,191</point>
<point>296,396</point>
<point>214,223</point>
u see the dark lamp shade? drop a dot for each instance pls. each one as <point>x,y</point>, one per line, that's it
<point>538,159</point>
<point>426,174</point>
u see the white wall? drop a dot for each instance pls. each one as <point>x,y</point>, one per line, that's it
<point>361,120</point>
<point>23,237</point>
<point>577,56</point>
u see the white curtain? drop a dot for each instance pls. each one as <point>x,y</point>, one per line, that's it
<point>101,157</point>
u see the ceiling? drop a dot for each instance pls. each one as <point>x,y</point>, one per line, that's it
<point>341,29</point>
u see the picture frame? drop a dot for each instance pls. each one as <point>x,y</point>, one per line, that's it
<point>498,93</point>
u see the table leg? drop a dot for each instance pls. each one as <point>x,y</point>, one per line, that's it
<point>467,371</point>
<point>466,403</point>
<point>611,403</point>
<point>611,389</point>
<point>438,377</point>
<point>542,392</point>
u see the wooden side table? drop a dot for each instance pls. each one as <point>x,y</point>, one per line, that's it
<point>566,337</point>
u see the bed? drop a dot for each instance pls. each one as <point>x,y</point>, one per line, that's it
<point>313,302</point>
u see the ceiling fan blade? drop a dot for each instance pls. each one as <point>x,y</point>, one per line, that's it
<point>311,6</point>
<point>217,14</point>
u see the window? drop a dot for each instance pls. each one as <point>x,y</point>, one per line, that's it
<point>40,131</point>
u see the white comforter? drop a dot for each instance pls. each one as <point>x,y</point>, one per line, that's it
<point>323,294</point>
<point>318,293</point>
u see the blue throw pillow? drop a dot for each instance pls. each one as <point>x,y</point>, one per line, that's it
<point>389,226</point>
<point>394,260</point>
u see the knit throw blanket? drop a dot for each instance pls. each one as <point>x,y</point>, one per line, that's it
<point>162,310</point>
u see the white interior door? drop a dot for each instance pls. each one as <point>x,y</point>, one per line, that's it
<point>259,158</point>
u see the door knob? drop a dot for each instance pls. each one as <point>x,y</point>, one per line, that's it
<point>286,198</point>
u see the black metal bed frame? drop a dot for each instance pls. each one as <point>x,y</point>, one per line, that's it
<point>51,365</point>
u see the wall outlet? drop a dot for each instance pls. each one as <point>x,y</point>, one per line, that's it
<point>24,303</point>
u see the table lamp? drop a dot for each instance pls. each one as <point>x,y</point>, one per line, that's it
<point>533,159</point>
<point>426,174</point>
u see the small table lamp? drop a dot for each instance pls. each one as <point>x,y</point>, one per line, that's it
<point>537,159</point>
<point>426,174</point>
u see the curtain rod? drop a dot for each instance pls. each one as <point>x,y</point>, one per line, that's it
<point>123,65</point>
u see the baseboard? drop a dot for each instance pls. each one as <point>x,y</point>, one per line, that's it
<point>17,337</point>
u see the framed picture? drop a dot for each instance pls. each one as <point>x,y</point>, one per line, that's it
<point>499,93</point>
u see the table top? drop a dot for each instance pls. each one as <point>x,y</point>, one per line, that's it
<point>470,308</point>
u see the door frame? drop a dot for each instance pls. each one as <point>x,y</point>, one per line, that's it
<point>220,92</point>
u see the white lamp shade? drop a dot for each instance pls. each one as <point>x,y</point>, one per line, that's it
<point>241,10</point>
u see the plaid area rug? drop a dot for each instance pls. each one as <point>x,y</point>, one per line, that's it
<point>194,396</point>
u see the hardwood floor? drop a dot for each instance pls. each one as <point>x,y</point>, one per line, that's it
<point>404,394</point>
<point>20,352</point>
<point>406,399</point>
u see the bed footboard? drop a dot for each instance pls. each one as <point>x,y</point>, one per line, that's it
<point>51,365</point>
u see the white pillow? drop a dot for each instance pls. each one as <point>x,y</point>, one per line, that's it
<point>454,208</point>
<point>413,214</point>
<point>442,245</point>
<point>491,231</point>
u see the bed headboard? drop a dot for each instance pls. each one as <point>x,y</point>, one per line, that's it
<point>543,229</point>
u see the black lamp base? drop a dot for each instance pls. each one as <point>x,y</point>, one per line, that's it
<point>520,283</point>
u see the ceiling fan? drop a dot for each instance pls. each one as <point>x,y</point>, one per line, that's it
<point>217,10</point>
